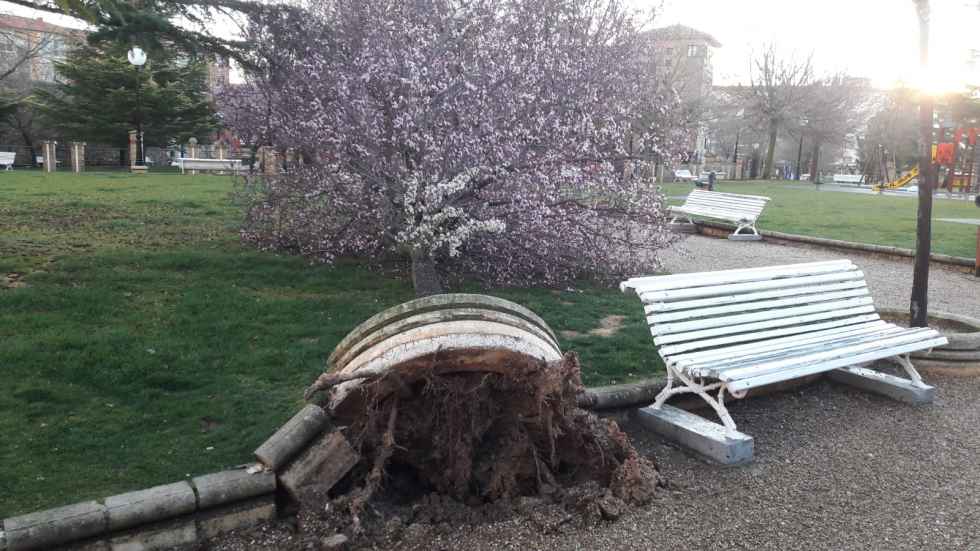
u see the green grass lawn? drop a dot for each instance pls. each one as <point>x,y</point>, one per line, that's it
<point>140,343</point>
<point>799,208</point>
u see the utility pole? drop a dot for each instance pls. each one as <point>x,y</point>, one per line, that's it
<point>919,304</point>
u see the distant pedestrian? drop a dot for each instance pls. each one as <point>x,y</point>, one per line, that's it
<point>711,181</point>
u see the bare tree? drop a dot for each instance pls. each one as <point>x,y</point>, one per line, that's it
<point>776,87</point>
<point>832,109</point>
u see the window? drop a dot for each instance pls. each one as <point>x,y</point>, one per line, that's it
<point>692,50</point>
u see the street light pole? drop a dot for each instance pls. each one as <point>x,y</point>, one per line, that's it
<point>138,58</point>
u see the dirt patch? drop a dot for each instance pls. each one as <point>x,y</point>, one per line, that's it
<point>13,280</point>
<point>608,326</point>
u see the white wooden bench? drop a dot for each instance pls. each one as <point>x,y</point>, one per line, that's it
<point>683,175</point>
<point>227,165</point>
<point>735,330</point>
<point>7,159</point>
<point>743,210</point>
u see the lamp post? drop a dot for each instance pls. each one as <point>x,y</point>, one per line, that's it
<point>137,57</point>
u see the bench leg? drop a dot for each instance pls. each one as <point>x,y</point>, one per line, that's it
<point>722,444</point>
<point>912,390</point>
<point>737,235</point>
<point>701,389</point>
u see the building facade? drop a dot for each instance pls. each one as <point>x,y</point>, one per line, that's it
<point>682,60</point>
<point>34,46</point>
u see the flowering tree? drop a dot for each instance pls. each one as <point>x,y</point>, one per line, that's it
<point>485,138</point>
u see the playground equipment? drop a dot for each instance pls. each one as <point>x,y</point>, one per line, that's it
<point>955,160</point>
<point>898,183</point>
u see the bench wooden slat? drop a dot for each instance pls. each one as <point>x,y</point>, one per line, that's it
<point>773,314</point>
<point>831,351</point>
<point>687,281</point>
<point>710,344</point>
<point>750,297</point>
<point>796,299</point>
<point>731,288</point>
<point>632,282</point>
<point>705,195</point>
<point>721,215</point>
<point>767,324</point>
<point>722,201</point>
<point>820,367</point>
<point>766,352</point>
<point>723,205</point>
<point>740,350</point>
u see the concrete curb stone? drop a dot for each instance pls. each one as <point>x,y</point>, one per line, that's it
<point>232,485</point>
<point>149,505</point>
<point>50,527</point>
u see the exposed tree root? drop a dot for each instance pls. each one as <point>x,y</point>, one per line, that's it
<point>480,437</point>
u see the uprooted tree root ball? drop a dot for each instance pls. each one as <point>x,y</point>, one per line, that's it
<point>482,437</point>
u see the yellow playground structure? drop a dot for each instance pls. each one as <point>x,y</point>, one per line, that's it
<point>900,182</point>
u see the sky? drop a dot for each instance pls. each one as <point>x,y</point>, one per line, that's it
<point>877,39</point>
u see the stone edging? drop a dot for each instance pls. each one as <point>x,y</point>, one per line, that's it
<point>960,344</point>
<point>958,261</point>
<point>154,518</point>
<point>180,513</point>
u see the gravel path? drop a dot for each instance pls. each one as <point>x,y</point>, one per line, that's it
<point>890,280</point>
<point>835,469</point>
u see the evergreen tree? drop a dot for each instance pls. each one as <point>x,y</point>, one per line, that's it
<point>102,96</point>
<point>183,25</point>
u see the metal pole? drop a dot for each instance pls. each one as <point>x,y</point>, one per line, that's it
<point>139,117</point>
<point>919,302</point>
<point>976,260</point>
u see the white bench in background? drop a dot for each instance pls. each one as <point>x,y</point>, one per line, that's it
<point>735,330</point>
<point>7,159</point>
<point>743,210</point>
<point>225,165</point>
<point>683,175</point>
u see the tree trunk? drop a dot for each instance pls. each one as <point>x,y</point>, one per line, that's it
<point>771,153</point>
<point>919,303</point>
<point>425,278</point>
<point>815,162</point>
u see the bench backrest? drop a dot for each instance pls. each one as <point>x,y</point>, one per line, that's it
<point>7,157</point>
<point>707,310</point>
<point>747,207</point>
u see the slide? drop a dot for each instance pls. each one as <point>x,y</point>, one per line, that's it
<point>901,182</point>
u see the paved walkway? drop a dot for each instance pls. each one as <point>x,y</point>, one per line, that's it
<point>890,280</point>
